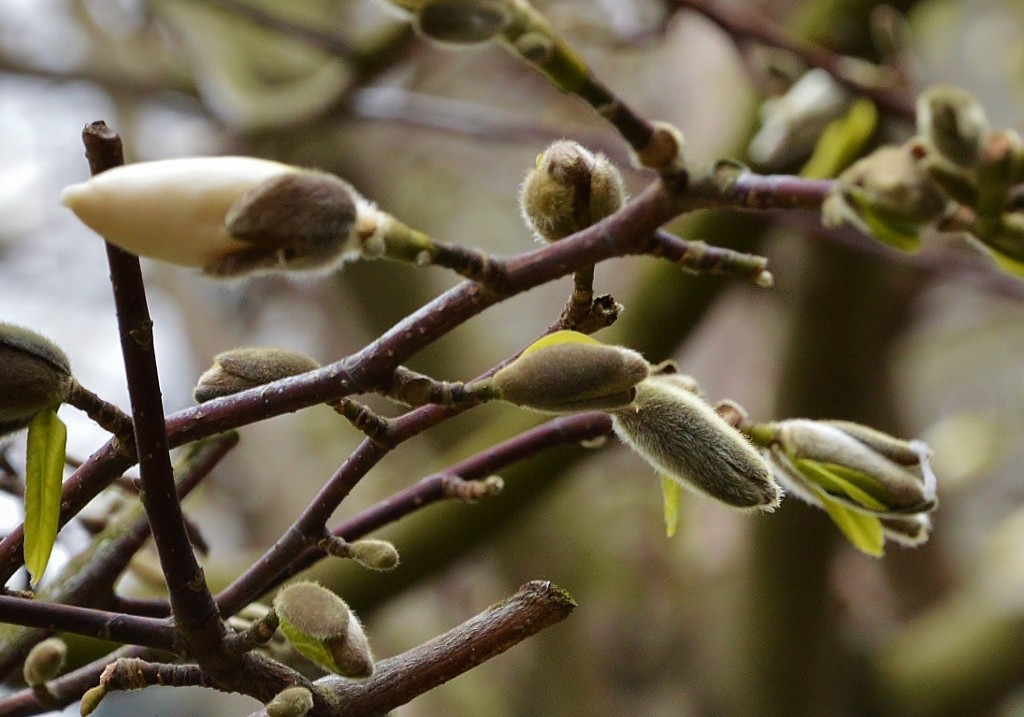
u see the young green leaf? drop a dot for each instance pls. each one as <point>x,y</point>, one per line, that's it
<point>842,141</point>
<point>44,471</point>
<point>864,531</point>
<point>672,493</point>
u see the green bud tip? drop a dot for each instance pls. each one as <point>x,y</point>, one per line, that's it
<point>569,189</point>
<point>567,371</point>
<point>44,661</point>
<point>35,375</point>
<point>374,554</point>
<point>91,700</point>
<point>462,22</point>
<point>681,436</point>
<point>294,701</point>
<point>954,122</point>
<point>244,368</point>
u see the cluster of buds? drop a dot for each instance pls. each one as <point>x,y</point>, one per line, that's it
<point>958,172</point>
<point>874,486</point>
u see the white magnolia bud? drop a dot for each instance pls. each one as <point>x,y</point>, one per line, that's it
<point>229,215</point>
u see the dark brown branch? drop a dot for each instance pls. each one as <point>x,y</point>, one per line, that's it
<point>194,610</point>
<point>103,625</point>
<point>276,566</point>
<point>536,606</point>
<point>742,23</point>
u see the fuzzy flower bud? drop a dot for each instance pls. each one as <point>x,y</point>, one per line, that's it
<point>322,628</point>
<point>374,554</point>
<point>684,438</point>
<point>567,371</point>
<point>888,195</point>
<point>34,375</point>
<point>954,122</point>
<point>44,661</point>
<point>244,368</point>
<point>462,22</point>
<point>570,189</point>
<point>229,215</point>
<point>294,701</point>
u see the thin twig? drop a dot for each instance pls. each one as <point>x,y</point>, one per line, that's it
<point>742,23</point>
<point>194,610</point>
<point>535,607</point>
<point>103,625</point>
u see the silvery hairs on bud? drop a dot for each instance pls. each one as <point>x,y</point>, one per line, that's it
<point>35,374</point>
<point>569,189</point>
<point>682,436</point>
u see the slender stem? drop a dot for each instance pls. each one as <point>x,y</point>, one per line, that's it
<point>742,23</point>
<point>103,625</point>
<point>277,566</point>
<point>194,610</point>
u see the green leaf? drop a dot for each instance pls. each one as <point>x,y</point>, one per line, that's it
<point>896,231</point>
<point>672,493</point>
<point>316,650</point>
<point>863,530</point>
<point>842,141</point>
<point>840,481</point>
<point>44,473</point>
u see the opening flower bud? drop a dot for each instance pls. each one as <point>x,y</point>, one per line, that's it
<point>954,122</point>
<point>567,371</point>
<point>887,195</point>
<point>44,661</point>
<point>863,468</point>
<point>462,22</point>
<point>678,433</point>
<point>229,215</point>
<point>294,701</point>
<point>34,375</point>
<point>320,626</point>
<point>244,368</point>
<point>570,189</point>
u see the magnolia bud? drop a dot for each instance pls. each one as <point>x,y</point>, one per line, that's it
<point>954,122</point>
<point>244,368</point>
<point>567,371</point>
<point>320,626</point>
<point>887,195</point>
<point>683,437</point>
<point>34,375</point>
<point>91,700</point>
<point>570,189</point>
<point>908,530</point>
<point>374,554</point>
<point>462,22</point>
<point>44,661</point>
<point>865,469</point>
<point>294,701</point>
<point>229,215</point>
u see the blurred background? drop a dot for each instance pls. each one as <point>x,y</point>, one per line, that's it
<point>737,614</point>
